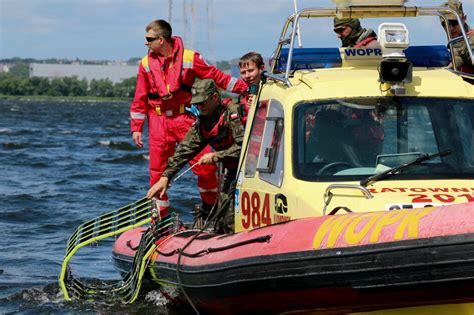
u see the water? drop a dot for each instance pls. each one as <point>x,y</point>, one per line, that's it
<point>62,163</point>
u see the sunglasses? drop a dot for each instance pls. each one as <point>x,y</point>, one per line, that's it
<point>450,23</point>
<point>339,30</point>
<point>150,39</point>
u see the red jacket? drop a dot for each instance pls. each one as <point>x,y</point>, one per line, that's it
<point>165,83</point>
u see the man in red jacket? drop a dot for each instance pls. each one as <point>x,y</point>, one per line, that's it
<point>163,93</point>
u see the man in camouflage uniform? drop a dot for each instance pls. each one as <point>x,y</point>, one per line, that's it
<point>352,34</point>
<point>219,126</point>
<point>461,57</point>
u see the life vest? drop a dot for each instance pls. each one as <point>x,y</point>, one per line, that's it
<point>244,107</point>
<point>219,137</point>
<point>172,82</point>
<point>244,101</point>
<point>467,69</point>
<point>365,42</point>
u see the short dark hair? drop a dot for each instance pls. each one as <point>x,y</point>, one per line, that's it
<point>251,57</point>
<point>160,28</point>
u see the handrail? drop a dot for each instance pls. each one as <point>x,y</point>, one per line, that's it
<point>357,12</point>
<point>328,194</point>
<point>277,78</point>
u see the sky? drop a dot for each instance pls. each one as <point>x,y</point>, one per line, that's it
<point>218,29</point>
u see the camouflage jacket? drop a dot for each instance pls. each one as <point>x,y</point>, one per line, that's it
<point>461,53</point>
<point>194,141</point>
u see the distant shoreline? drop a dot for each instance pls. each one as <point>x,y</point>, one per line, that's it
<point>4,97</point>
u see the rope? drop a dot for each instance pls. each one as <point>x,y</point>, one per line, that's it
<point>260,239</point>
<point>110,224</point>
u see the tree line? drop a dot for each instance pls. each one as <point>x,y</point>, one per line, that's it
<point>66,86</point>
<point>18,83</point>
<point>18,60</point>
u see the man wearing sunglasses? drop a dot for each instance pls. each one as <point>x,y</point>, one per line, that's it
<point>351,34</point>
<point>219,126</point>
<point>163,95</point>
<point>461,57</point>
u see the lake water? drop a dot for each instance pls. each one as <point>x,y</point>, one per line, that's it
<point>62,163</point>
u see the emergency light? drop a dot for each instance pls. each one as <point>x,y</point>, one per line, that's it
<point>394,67</point>
<point>393,39</point>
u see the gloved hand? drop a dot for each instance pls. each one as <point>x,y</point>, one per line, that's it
<point>193,110</point>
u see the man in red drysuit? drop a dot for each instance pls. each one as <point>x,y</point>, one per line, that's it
<point>162,95</point>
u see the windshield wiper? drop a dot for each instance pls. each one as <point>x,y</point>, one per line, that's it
<point>394,170</point>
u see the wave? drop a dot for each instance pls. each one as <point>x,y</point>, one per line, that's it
<point>39,165</point>
<point>28,131</point>
<point>48,299</point>
<point>128,158</point>
<point>121,145</point>
<point>5,130</point>
<point>13,146</point>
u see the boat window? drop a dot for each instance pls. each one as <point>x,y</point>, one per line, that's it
<point>255,139</point>
<point>270,162</point>
<point>350,139</point>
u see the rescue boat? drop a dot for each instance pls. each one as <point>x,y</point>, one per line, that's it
<point>333,264</point>
<point>353,200</point>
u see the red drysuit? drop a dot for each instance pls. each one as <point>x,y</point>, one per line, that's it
<point>162,93</point>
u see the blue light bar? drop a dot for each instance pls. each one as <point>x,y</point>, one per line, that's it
<point>317,58</point>
<point>428,56</point>
<point>310,58</point>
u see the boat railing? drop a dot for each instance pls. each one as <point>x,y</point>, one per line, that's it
<point>293,20</point>
<point>328,194</point>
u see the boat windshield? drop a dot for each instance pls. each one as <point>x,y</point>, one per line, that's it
<point>350,139</point>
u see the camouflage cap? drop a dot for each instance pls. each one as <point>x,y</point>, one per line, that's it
<point>353,23</point>
<point>202,89</point>
<point>456,5</point>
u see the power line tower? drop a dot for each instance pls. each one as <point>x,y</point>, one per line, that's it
<point>170,9</point>
<point>210,29</point>
<point>185,21</point>
<point>191,25</point>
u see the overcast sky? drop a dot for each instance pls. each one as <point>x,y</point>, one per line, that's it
<point>219,29</point>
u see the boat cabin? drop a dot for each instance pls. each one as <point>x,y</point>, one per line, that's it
<point>336,130</point>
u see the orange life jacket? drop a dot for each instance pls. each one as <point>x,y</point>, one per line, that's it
<point>220,136</point>
<point>172,81</point>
